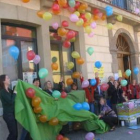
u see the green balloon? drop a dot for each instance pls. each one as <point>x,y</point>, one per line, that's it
<point>56,94</point>
<point>90,50</point>
<point>75,54</point>
<point>70,65</point>
<point>123,83</point>
<point>128,72</point>
<point>43,73</point>
<point>54,59</point>
<point>72,3</point>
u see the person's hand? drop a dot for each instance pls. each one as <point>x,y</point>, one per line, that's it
<point>96,74</point>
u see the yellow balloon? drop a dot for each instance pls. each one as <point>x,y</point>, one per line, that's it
<point>47,16</point>
<point>75,54</point>
<point>80,22</point>
<point>73,39</point>
<point>88,15</point>
<point>70,65</point>
<point>88,29</point>
<point>77,13</point>
<point>120,18</point>
<point>110,26</point>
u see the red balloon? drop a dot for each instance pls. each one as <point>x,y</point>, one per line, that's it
<point>96,11</point>
<point>30,55</point>
<point>59,137</point>
<point>67,44</point>
<point>66,6</point>
<point>63,94</point>
<point>77,5</point>
<point>83,17</point>
<point>104,87</point>
<point>30,93</point>
<point>70,35</point>
<point>65,23</point>
<point>55,7</point>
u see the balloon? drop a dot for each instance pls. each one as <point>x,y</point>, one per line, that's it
<point>125,76</point>
<point>100,15</point>
<point>120,18</point>
<point>31,55</point>
<point>89,136</point>
<point>98,64</point>
<point>37,109</point>
<point>65,138</point>
<point>95,17</point>
<point>104,87</point>
<point>123,83</point>
<point>137,11</point>
<point>80,22</point>
<point>76,75</point>
<point>110,26</point>
<point>62,2</point>
<point>40,14</point>
<point>108,8</point>
<point>109,11</point>
<point>88,29</point>
<point>54,122</point>
<point>66,44</point>
<point>70,34</point>
<point>90,50</point>
<point>56,94</point>
<point>75,54</point>
<point>54,59</point>
<point>77,5</point>
<point>14,52</point>
<point>95,11</point>
<point>80,61</point>
<point>55,25</point>
<point>93,25</point>
<point>74,18</point>
<point>54,66</point>
<point>43,118</point>
<point>83,17</point>
<point>36,101</point>
<point>71,9</point>
<point>56,8</point>
<point>136,70</point>
<point>85,106</point>
<point>85,84</point>
<point>70,65</point>
<point>83,6</point>
<point>73,39</point>
<point>59,137</point>
<point>36,60</point>
<point>62,31</point>
<point>104,17</point>
<point>25,1</point>
<point>65,23</point>
<point>63,94</point>
<point>93,82</point>
<point>47,16</point>
<point>88,15</point>
<point>91,34</point>
<point>71,3</point>
<point>77,13</point>
<point>43,73</point>
<point>128,72</point>
<point>30,93</point>
<point>131,105</point>
<point>77,106</point>
<point>69,81</point>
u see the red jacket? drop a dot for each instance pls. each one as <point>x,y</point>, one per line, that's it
<point>131,94</point>
<point>90,95</point>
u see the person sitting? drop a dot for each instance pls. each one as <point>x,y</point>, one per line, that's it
<point>74,86</point>
<point>61,85</point>
<point>36,82</point>
<point>108,115</point>
<point>48,87</point>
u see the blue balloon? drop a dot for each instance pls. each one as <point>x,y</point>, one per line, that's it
<point>108,8</point>
<point>98,64</point>
<point>93,82</point>
<point>14,52</point>
<point>136,70</point>
<point>85,106</point>
<point>109,12</point>
<point>77,106</point>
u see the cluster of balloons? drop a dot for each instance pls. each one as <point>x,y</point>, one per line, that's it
<point>14,52</point>
<point>90,136</point>
<point>60,137</point>
<point>54,64</point>
<point>83,106</point>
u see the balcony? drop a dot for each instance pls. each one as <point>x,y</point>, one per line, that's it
<point>127,5</point>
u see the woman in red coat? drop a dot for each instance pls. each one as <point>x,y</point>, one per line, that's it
<point>90,91</point>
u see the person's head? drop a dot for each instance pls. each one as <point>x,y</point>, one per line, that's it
<point>119,80</point>
<point>74,86</point>
<point>102,101</point>
<point>134,82</point>
<point>36,82</point>
<point>4,81</point>
<point>116,82</point>
<point>48,85</point>
<point>111,78</point>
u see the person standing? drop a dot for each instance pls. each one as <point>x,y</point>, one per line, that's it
<point>8,102</point>
<point>48,87</point>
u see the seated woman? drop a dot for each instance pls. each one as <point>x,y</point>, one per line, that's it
<point>48,87</point>
<point>108,115</point>
<point>61,85</point>
<point>36,82</point>
<point>74,86</point>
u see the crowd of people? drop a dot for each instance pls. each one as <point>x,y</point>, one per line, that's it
<point>102,103</point>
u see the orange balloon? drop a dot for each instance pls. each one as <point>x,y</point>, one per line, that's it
<point>56,12</point>
<point>62,3</point>
<point>64,138</point>
<point>36,101</point>
<point>76,75</point>
<point>40,14</point>
<point>43,118</point>
<point>54,66</point>
<point>95,17</point>
<point>83,6</point>
<point>53,121</point>
<point>86,24</point>
<point>125,76</point>
<point>69,81</point>
<point>62,31</point>
<point>104,17</point>
<point>25,1</point>
<point>37,109</point>
<point>80,61</point>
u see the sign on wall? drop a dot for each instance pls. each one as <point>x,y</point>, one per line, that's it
<point>100,71</point>
<point>29,76</point>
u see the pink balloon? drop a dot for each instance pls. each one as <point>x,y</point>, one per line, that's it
<point>36,60</point>
<point>93,25</point>
<point>71,9</point>
<point>74,18</point>
<point>55,25</point>
<point>85,84</point>
<point>137,11</point>
<point>90,136</point>
<point>100,15</point>
<point>91,34</point>
<point>131,105</point>
<point>104,87</point>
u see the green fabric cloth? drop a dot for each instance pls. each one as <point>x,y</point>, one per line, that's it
<point>62,109</point>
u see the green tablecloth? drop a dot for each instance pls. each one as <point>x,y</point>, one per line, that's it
<point>62,109</point>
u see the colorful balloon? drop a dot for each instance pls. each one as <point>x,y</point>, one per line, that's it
<point>88,15</point>
<point>30,93</point>
<point>70,34</point>
<point>47,16</point>
<point>59,137</point>
<point>40,14</point>
<point>66,44</point>
<point>93,25</point>
<point>98,64</point>
<point>137,11</point>
<point>36,60</point>
<point>128,72</point>
<point>14,52</point>
<point>76,75</point>
<point>80,61</point>
<point>37,109</point>
<point>56,94</point>
<point>70,65</point>
<point>90,50</point>
<point>109,10</point>
<point>95,11</point>
<point>36,101</point>
<point>71,3</point>
<point>55,25</point>
<point>25,1</point>
<point>54,66</point>
<point>75,54</point>
<point>43,118</point>
<point>43,72</point>
<point>69,81</point>
<point>93,82</point>
<point>88,29</point>
<point>30,55</point>
<point>77,5</point>
<point>54,122</point>
<point>74,18</point>
<point>85,106</point>
<point>62,32</point>
<point>56,8</point>
<point>120,18</point>
<point>63,94</point>
<point>110,26</point>
<point>62,2</point>
<point>77,13</point>
<point>85,84</point>
<point>65,138</point>
<point>77,106</point>
<point>103,17</point>
<point>65,23</point>
<point>54,59</point>
<point>136,71</point>
<point>90,136</point>
<point>123,83</point>
<point>104,87</point>
<point>80,22</point>
<point>73,39</point>
<point>91,34</point>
